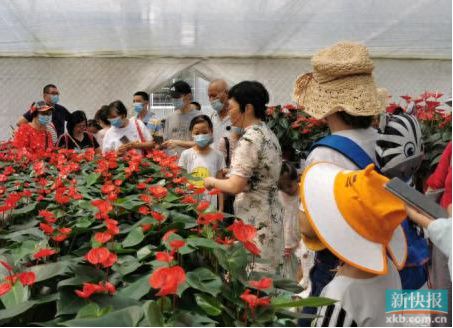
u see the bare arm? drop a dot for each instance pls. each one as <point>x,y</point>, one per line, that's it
<point>22,120</point>
<point>305,227</point>
<point>221,196</point>
<point>233,185</point>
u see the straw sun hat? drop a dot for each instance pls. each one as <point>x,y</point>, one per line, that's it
<point>354,216</point>
<point>341,81</point>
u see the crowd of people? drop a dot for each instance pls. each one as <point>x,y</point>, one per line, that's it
<point>330,225</point>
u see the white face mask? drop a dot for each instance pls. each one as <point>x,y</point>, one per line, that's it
<point>178,103</point>
<point>217,105</point>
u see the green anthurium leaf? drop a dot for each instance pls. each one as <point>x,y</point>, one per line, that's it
<point>137,289</point>
<point>92,310</point>
<point>209,304</point>
<point>134,237</point>
<point>126,264</point>
<point>153,314</point>
<point>84,222</point>
<point>92,179</point>
<point>288,285</point>
<point>203,242</point>
<point>233,259</point>
<point>27,247</point>
<point>17,295</point>
<point>192,319</point>
<point>68,302</point>
<point>50,270</point>
<point>30,232</point>
<point>171,197</point>
<point>22,307</point>
<point>205,280</point>
<point>127,317</point>
<point>24,210</point>
<point>309,301</point>
<point>145,252</point>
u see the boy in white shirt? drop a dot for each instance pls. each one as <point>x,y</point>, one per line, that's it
<point>201,160</point>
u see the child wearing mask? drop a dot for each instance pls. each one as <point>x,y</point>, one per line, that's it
<point>201,160</point>
<point>289,198</point>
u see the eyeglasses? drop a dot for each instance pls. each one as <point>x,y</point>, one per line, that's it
<point>55,93</point>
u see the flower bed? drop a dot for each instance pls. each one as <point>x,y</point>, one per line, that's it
<point>107,241</point>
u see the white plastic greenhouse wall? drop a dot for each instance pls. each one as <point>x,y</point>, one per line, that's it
<point>103,50</point>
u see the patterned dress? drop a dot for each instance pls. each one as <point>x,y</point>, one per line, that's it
<point>257,157</point>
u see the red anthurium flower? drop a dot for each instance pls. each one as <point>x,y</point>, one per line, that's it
<point>158,216</point>
<point>12,279</point>
<point>146,226</point>
<point>6,266</point>
<point>168,234</point>
<point>141,186</point>
<point>112,229</point>
<point>437,95</point>
<point>175,245</point>
<point>252,248</point>
<point>38,167</point>
<point>108,188</point>
<point>243,232</point>
<point>65,231</point>
<point>203,206</point>
<point>48,216</point>
<point>262,284</point>
<point>225,241</point>
<point>111,260</point>
<point>47,229</point>
<point>158,191</point>
<point>146,198</point>
<point>179,191</point>
<point>45,252</point>
<point>214,191</point>
<point>167,280</point>
<point>118,182</point>
<point>104,207</point>
<point>60,196</point>
<point>97,255</point>
<point>254,301</point>
<point>164,257</point>
<point>27,278</point>
<point>432,104</point>
<point>189,200</point>
<point>199,191</point>
<point>143,210</point>
<point>108,287</point>
<point>60,237</point>
<point>102,237</point>
<point>88,290</point>
<point>5,288</point>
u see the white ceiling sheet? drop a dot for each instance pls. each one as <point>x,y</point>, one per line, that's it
<point>223,28</point>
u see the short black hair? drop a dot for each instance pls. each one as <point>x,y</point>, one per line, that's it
<point>253,93</point>
<point>94,124</point>
<point>200,119</point>
<point>118,107</point>
<point>102,115</point>
<point>47,87</point>
<point>356,122</point>
<point>197,104</point>
<point>142,94</point>
<point>75,118</point>
<point>289,170</point>
<point>180,88</point>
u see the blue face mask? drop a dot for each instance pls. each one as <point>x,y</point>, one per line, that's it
<point>44,119</point>
<point>202,140</point>
<point>217,105</point>
<point>138,107</point>
<point>117,122</point>
<point>237,130</point>
<point>178,103</point>
<point>55,99</point>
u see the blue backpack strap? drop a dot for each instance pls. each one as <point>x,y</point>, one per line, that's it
<point>346,147</point>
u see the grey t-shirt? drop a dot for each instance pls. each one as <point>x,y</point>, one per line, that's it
<point>177,127</point>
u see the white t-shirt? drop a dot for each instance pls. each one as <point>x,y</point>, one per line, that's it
<point>100,136</point>
<point>365,138</point>
<point>177,127</point>
<point>361,302</point>
<point>221,127</point>
<point>113,135</point>
<point>202,166</point>
<point>291,219</point>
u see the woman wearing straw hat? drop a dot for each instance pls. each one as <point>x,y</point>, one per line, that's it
<point>360,222</point>
<point>255,171</point>
<point>342,91</point>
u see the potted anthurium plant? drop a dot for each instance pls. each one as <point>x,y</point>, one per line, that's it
<point>295,130</point>
<point>125,241</point>
<point>435,121</point>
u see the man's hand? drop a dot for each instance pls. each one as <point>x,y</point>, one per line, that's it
<point>209,183</point>
<point>417,217</point>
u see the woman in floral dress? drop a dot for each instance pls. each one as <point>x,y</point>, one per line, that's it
<point>255,171</point>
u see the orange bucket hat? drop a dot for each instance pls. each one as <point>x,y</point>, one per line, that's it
<point>354,216</point>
